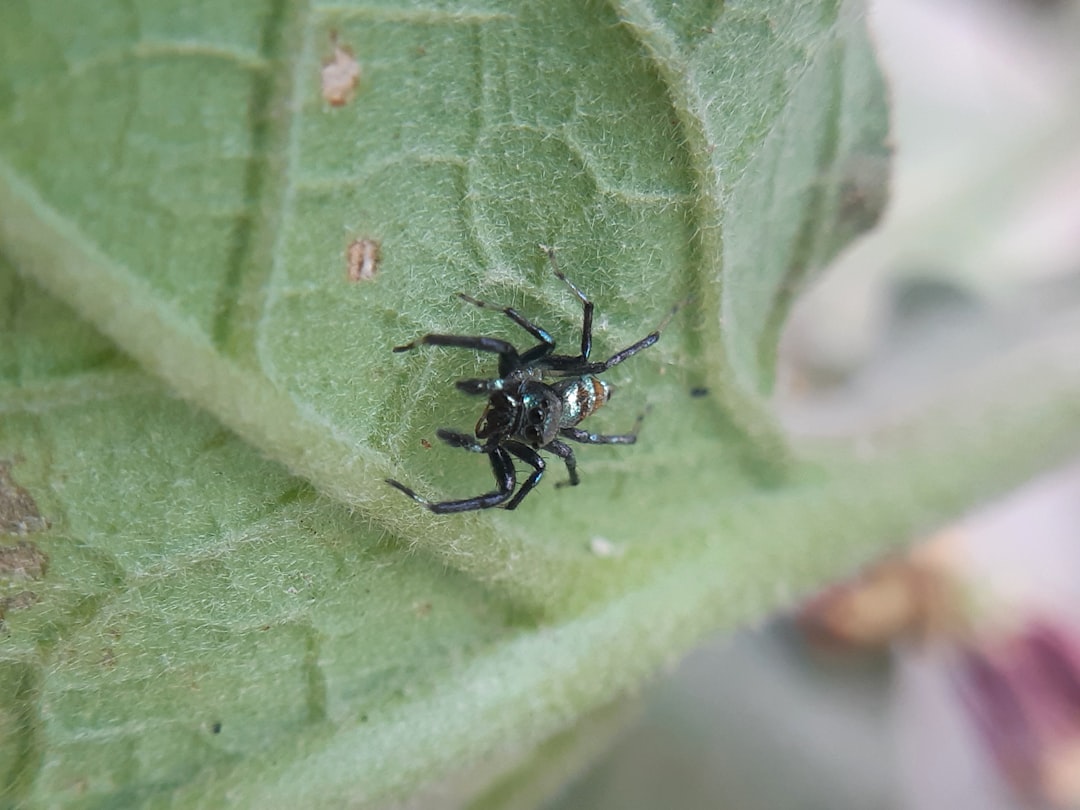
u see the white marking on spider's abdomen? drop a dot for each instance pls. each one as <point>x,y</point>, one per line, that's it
<point>581,398</point>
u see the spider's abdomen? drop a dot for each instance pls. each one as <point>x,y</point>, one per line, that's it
<point>581,397</point>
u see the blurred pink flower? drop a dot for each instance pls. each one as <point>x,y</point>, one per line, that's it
<point>1023,693</point>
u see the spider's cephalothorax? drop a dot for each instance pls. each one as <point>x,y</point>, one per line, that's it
<point>538,399</point>
<point>534,412</point>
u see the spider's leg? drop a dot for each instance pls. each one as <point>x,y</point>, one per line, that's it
<point>547,342</point>
<point>466,441</point>
<point>505,480</point>
<point>630,351</point>
<point>565,364</point>
<point>480,387</point>
<point>508,355</point>
<point>583,436</point>
<point>533,459</point>
<point>566,453</point>
<point>480,344</point>
<point>587,305</point>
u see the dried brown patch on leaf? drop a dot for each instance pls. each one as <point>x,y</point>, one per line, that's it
<point>864,191</point>
<point>340,75</point>
<point>362,257</point>
<point>23,561</point>
<point>18,511</point>
<point>18,601</point>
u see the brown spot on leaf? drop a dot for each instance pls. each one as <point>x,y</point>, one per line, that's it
<point>24,560</point>
<point>864,191</point>
<point>425,444</point>
<point>362,258</point>
<point>18,512</point>
<point>340,74</point>
<point>18,601</point>
<point>422,609</point>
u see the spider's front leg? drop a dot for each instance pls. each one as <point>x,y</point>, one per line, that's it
<point>502,466</point>
<point>508,355</point>
<point>480,387</point>
<point>455,438</point>
<point>533,459</point>
<point>547,343</point>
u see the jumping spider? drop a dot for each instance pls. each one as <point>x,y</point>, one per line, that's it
<point>538,397</point>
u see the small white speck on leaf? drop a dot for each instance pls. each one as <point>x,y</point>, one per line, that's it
<point>602,547</point>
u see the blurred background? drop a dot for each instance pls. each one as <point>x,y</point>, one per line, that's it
<point>949,676</point>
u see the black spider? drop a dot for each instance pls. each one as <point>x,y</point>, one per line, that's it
<point>537,398</point>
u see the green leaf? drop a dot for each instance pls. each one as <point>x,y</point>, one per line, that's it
<point>188,189</point>
<point>196,618</point>
<point>196,626</point>
<point>173,174</point>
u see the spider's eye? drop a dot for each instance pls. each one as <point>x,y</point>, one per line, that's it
<point>536,416</point>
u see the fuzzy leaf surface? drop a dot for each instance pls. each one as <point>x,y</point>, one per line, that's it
<point>174,172</point>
